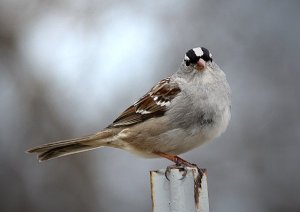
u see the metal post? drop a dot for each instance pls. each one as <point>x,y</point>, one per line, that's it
<point>179,193</point>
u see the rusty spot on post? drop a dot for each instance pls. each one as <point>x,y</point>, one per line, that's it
<point>198,183</point>
<point>152,188</point>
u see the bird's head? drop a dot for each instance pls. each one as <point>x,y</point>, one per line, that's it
<point>197,58</point>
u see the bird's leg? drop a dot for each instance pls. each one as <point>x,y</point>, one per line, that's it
<point>179,163</point>
<point>177,160</point>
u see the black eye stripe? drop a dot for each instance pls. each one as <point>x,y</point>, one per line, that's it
<point>206,54</point>
<point>192,56</point>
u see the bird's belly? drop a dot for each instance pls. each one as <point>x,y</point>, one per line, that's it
<point>180,140</point>
<point>174,141</point>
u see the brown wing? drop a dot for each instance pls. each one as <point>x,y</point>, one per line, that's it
<point>155,103</point>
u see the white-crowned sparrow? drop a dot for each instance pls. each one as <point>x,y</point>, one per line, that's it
<point>178,114</point>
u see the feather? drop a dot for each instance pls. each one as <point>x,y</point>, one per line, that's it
<point>153,104</point>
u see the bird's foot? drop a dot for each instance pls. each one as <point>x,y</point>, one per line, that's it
<point>180,164</point>
<point>181,168</point>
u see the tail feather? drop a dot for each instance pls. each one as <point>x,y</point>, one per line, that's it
<point>70,146</point>
<point>62,143</point>
<point>69,149</point>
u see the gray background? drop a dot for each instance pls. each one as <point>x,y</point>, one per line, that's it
<point>68,68</point>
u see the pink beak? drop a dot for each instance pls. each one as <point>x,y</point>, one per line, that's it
<point>200,64</point>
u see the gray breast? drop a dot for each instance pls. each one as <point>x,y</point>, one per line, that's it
<point>187,112</point>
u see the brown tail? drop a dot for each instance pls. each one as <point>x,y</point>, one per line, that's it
<point>71,146</point>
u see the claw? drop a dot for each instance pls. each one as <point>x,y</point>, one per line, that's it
<point>184,173</point>
<point>168,170</point>
<point>178,166</point>
<point>179,163</point>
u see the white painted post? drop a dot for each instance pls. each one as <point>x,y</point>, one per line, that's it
<point>179,193</point>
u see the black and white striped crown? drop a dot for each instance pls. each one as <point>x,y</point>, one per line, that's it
<point>193,55</point>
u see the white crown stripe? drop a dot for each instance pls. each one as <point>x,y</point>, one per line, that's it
<point>198,52</point>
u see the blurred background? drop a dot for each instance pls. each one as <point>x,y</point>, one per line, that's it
<point>68,68</point>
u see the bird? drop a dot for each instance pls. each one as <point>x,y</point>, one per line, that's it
<point>181,112</point>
